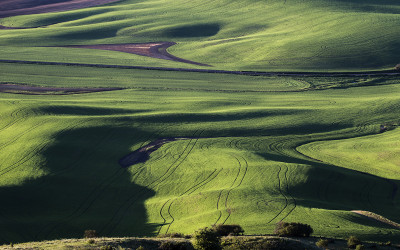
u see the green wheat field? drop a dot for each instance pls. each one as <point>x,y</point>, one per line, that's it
<point>249,150</point>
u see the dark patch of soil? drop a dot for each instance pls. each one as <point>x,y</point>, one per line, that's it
<point>10,8</point>
<point>143,154</point>
<point>34,90</point>
<point>154,49</point>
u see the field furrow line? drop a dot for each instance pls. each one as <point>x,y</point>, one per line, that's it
<point>123,209</point>
<point>246,165</point>
<point>191,190</point>
<point>282,194</point>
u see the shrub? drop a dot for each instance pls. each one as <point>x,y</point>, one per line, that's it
<point>207,239</point>
<point>171,235</point>
<point>353,241</point>
<point>107,247</point>
<point>360,247</point>
<point>174,245</point>
<point>293,229</point>
<point>91,241</point>
<point>90,234</point>
<point>225,230</point>
<point>322,243</point>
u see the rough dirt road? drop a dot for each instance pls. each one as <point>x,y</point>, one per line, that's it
<point>154,49</point>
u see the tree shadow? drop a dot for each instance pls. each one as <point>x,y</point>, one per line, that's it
<point>84,188</point>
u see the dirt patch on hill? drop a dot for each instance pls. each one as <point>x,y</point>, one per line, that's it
<point>154,49</point>
<point>35,90</point>
<point>143,154</point>
<point>377,217</point>
<point>10,8</point>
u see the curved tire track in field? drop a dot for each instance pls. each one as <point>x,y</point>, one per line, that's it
<point>220,193</point>
<point>14,139</point>
<point>15,118</point>
<point>97,191</point>
<point>291,197</point>
<point>191,190</point>
<point>123,209</point>
<point>240,183</point>
<point>282,194</point>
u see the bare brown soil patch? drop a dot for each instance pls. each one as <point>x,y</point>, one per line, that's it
<point>34,90</point>
<point>154,49</point>
<point>26,7</point>
<point>377,217</point>
<point>143,154</point>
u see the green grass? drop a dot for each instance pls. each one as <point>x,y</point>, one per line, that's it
<point>317,35</point>
<point>255,150</point>
<point>244,154</point>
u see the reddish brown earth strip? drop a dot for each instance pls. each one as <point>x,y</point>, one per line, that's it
<point>155,50</point>
<point>10,8</point>
<point>34,90</point>
<point>143,154</point>
<point>377,217</point>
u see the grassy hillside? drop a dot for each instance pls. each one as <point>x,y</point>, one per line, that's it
<point>237,161</point>
<point>317,35</point>
<point>248,150</point>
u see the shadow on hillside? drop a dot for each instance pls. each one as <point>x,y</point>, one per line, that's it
<point>84,188</point>
<point>337,188</point>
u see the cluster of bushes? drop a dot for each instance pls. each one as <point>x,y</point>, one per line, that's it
<point>293,229</point>
<point>209,238</point>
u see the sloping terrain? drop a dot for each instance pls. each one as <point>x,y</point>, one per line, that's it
<point>255,149</point>
<point>317,35</point>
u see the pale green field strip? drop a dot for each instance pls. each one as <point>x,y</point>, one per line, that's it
<point>230,35</point>
<point>241,166</point>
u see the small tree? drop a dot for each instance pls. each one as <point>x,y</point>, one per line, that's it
<point>353,241</point>
<point>90,234</point>
<point>293,229</point>
<point>322,243</point>
<point>225,230</point>
<point>206,239</point>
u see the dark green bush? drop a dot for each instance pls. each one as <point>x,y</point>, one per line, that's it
<point>293,229</point>
<point>353,241</point>
<point>322,243</point>
<point>225,230</point>
<point>171,235</point>
<point>174,245</point>
<point>206,239</point>
<point>107,247</point>
<point>360,247</point>
<point>90,234</point>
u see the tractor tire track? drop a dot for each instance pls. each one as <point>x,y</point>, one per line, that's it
<point>233,183</point>
<point>123,209</point>
<point>207,180</point>
<point>240,183</point>
<point>282,194</point>
<point>97,191</point>
<point>291,197</point>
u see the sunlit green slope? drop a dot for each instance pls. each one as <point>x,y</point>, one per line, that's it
<point>316,35</point>
<point>252,151</point>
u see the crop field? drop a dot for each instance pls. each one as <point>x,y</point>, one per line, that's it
<point>143,152</point>
<point>287,35</point>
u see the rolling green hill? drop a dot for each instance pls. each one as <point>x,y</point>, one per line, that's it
<point>317,35</point>
<point>248,150</point>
